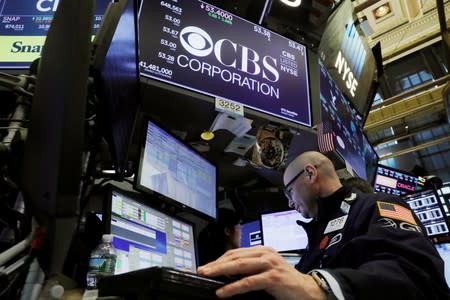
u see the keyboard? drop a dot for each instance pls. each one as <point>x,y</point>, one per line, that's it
<point>164,283</point>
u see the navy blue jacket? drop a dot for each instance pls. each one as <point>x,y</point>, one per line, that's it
<point>374,247</point>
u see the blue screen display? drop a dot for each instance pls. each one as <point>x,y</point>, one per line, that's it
<point>444,252</point>
<point>343,123</point>
<point>251,234</point>
<point>24,26</point>
<point>200,47</point>
<point>145,237</point>
<point>176,171</point>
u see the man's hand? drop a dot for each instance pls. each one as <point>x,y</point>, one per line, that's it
<point>262,268</point>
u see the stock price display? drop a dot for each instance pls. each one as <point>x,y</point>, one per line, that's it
<point>200,47</point>
<point>24,25</point>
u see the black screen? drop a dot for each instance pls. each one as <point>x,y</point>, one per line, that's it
<point>117,79</point>
<point>54,144</point>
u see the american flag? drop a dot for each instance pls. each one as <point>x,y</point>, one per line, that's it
<point>395,211</point>
<point>325,137</point>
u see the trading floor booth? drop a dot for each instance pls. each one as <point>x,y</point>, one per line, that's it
<point>156,113</point>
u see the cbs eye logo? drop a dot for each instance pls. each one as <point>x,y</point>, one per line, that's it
<point>196,41</point>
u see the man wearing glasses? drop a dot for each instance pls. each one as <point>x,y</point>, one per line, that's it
<point>361,246</point>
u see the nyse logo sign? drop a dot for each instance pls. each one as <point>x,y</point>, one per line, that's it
<point>350,59</point>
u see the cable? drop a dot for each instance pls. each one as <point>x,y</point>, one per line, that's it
<point>85,199</point>
<point>13,120</point>
<point>12,127</point>
<point>10,282</point>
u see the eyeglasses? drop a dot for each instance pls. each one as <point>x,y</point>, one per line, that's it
<point>287,190</point>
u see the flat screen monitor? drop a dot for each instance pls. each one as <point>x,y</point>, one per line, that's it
<point>348,56</point>
<point>371,159</point>
<point>444,252</point>
<point>292,258</point>
<point>177,172</point>
<point>145,237</point>
<point>251,234</point>
<point>24,27</point>
<point>200,47</point>
<point>396,182</point>
<point>342,129</point>
<point>51,177</point>
<point>430,212</point>
<point>281,231</point>
<point>115,65</point>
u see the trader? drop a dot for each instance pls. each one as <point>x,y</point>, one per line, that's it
<point>219,236</point>
<point>361,246</point>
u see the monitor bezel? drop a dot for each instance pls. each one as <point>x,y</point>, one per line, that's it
<point>175,204</point>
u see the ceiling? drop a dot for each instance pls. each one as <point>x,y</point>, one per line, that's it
<point>408,26</point>
<point>418,117</point>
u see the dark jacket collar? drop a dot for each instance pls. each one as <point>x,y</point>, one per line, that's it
<point>327,206</point>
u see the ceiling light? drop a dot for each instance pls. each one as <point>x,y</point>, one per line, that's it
<point>207,135</point>
<point>292,3</point>
<point>382,11</point>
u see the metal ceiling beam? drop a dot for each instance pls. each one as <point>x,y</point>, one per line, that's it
<point>427,102</point>
<point>423,87</point>
<point>444,32</point>
<point>409,134</point>
<point>416,148</point>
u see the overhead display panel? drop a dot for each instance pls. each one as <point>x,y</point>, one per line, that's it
<point>341,126</point>
<point>24,25</point>
<point>348,57</point>
<point>200,47</point>
<point>397,182</point>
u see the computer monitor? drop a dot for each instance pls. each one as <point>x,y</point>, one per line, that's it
<point>176,172</point>
<point>53,152</point>
<point>444,252</point>
<point>251,234</point>
<point>371,159</point>
<point>281,231</point>
<point>114,64</point>
<point>342,125</point>
<point>24,28</point>
<point>427,207</point>
<point>145,236</point>
<point>396,182</point>
<point>198,46</point>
